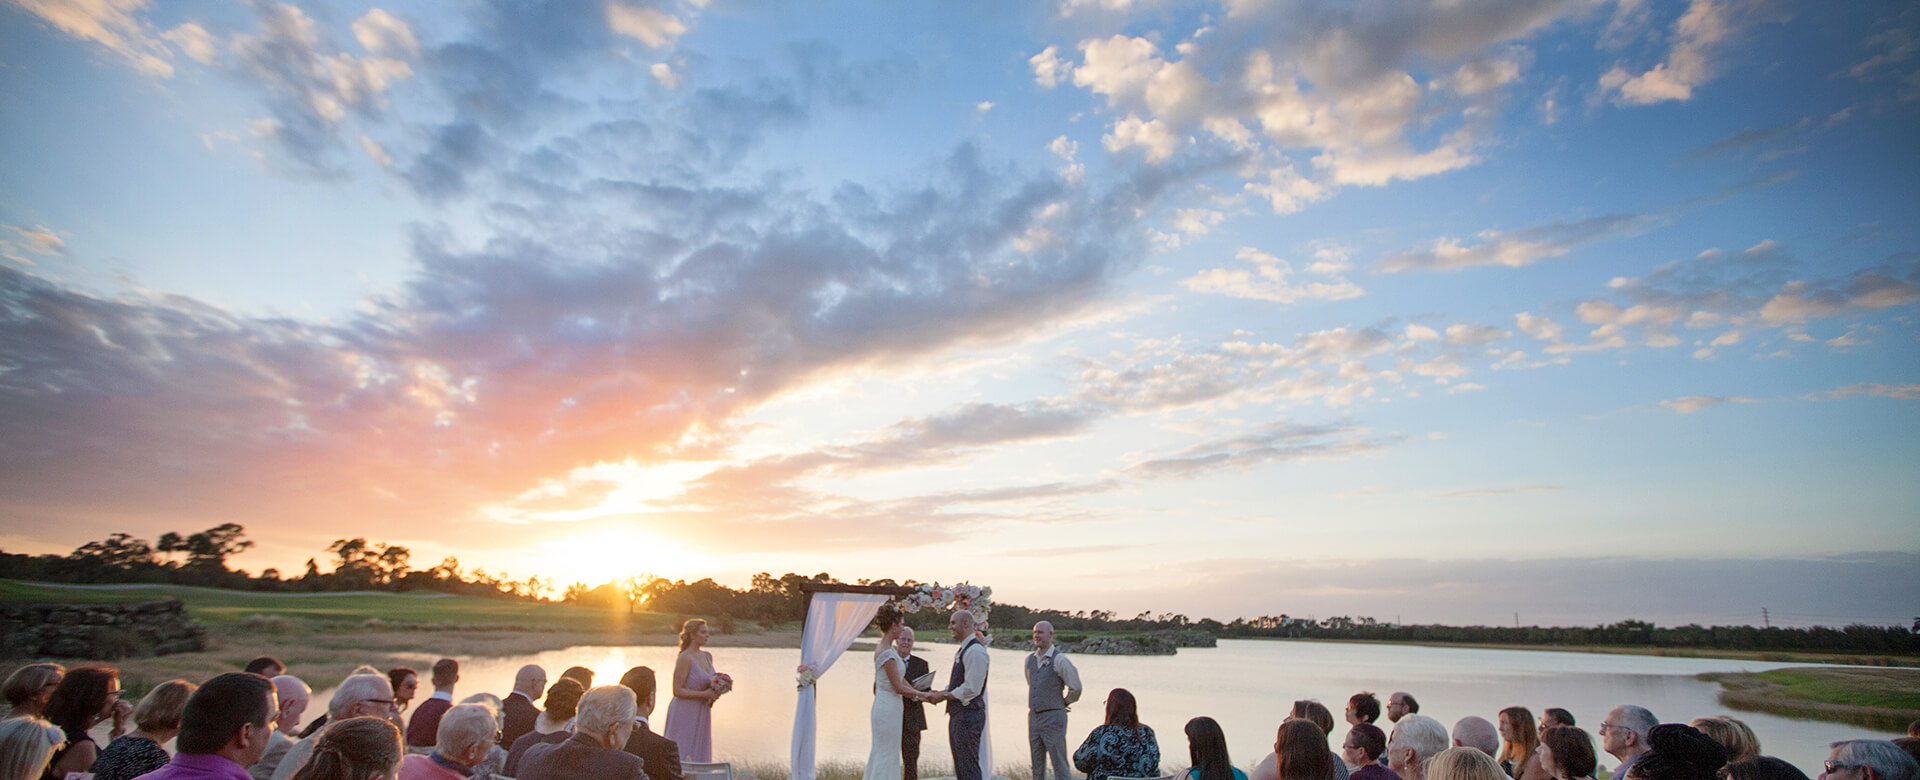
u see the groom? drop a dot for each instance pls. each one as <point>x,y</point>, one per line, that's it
<point>965,696</point>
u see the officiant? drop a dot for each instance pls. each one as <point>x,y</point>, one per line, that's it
<point>1053,685</point>
<point>913,718</point>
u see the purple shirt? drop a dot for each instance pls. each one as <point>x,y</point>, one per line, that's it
<point>198,766</point>
<point>1373,772</point>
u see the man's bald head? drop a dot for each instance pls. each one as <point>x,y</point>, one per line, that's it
<point>531,680</point>
<point>294,695</point>
<point>1478,733</point>
<point>962,625</point>
<point>1042,636</point>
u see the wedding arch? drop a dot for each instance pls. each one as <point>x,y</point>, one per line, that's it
<point>836,615</point>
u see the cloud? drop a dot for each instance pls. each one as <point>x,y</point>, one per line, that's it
<point>1270,280</point>
<point>312,87</point>
<point>1699,33</point>
<point>1513,250</point>
<point>1151,135</point>
<point>1694,403</point>
<point>114,25</point>
<point>1047,68</point>
<point>1899,392</point>
<point>651,26</point>
<point>1502,491</point>
<point>1268,444</point>
<point>1800,301</point>
<point>36,240</point>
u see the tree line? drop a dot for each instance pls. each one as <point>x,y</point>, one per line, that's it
<point>356,564</point>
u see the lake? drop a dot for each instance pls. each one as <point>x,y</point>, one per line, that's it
<point>1247,685</point>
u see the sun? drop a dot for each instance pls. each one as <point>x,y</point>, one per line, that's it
<point>610,554</point>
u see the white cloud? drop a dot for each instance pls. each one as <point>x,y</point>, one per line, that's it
<point>376,152</point>
<point>1464,335</point>
<point>1694,403</point>
<point>1898,392</point>
<point>983,107</point>
<point>663,73</point>
<point>380,32</point>
<point>1513,250</point>
<point>114,25</point>
<point>1270,280</point>
<point>1699,32</point>
<point>1286,190</point>
<point>1151,135</point>
<point>194,41</point>
<point>1196,222</point>
<point>651,26</point>
<point>1421,333</point>
<point>1047,67</point>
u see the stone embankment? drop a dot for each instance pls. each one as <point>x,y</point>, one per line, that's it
<point>1145,643</point>
<point>98,631</point>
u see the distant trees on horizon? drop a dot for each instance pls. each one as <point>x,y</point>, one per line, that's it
<point>768,600</point>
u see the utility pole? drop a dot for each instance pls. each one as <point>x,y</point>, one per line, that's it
<point>1516,620</point>
<point>1765,618</point>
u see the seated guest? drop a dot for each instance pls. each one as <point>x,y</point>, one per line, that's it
<point>223,729</point>
<point>265,666</point>
<point>1566,752</point>
<point>360,695</point>
<point>1913,729</point>
<point>1867,759</point>
<point>294,695</point>
<point>1677,751</point>
<point>29,686</point>
<point>1764,768</point>
<point>1517,756</point>
<point>496,760</point>
<point>1555,716</point>
<point>661,754</point>
<point>465,740</point>
<point>405,682</point>
<point>1362,707</point>
<point>1624,735</point>
<point>1312,712</point>
<point>1741,743</point>
<point>26,747</point>
<point>1478,733</point>
<point>601,725</point>
<point>579,674</point>
<point>426,720</point>
<point>85,696</point>
<point>360,748</point>
<point>518,712</point>
<point>1300,751</point>
<point>1207,750</point>
<point>1415,740</point>
<point>1122,746</point>
<point>1909,744</point>
<point>156,719</point>
<point>1464,763</point>
<point>1400,705</point>
<point>1363,748</point>
<point>554,726</point>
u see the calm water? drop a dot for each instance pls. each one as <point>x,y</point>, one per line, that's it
<point>1247,685</point>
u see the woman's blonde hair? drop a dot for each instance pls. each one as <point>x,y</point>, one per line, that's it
<point>1739,740</point>
<point>26,745</point>
<point>160,709</point>
<point>354,749</point>
<point>1526,738</point>
<point>687,629</point>
<point>28,681</point>
<point>1464,763</point>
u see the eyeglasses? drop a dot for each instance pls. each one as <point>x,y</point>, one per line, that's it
<point>1605,725</point>
<point>388,702</point>
<point>1835,766</point>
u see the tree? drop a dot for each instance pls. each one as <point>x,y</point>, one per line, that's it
<point>209,550</point>
<point>119,551</point>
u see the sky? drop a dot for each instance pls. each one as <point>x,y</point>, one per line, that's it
<point>1549,312</point>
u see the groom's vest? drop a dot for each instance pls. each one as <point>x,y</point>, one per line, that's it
<point>959,678</point>
<point>1045,690</point>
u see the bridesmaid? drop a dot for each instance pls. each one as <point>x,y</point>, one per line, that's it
<point>690,716</point>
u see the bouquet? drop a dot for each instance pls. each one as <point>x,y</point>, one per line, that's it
<point>807,677</point>
<point>721,682</point>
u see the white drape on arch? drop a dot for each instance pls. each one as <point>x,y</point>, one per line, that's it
<point>834,620</point>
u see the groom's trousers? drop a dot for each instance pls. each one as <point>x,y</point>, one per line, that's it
<point>1047,737</point>
<point>964,727</point>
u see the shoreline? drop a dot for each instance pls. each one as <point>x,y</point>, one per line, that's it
<point>1768,656</point>
<point>1883,699</point>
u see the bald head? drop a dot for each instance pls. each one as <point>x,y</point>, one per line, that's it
<point>1042,636</point>
<point>903,641</point>
<point>1478,733</point>
<point>531,680</point>
<point>961,625</point>
<point>294,695</point>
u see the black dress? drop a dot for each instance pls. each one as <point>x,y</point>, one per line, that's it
<point>129,757</point>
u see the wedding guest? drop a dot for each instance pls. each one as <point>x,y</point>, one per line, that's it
<point>463,741</point>
<point>1122,746</point>
<point>223,729</point>
<point>1415,740</point>
<point>425,723</point>
<point>1764,768</point>
<point>553,726</point>
<point>1517,757</point>
<point>294,695</point>
<point>85,696</point>
<point>602,725</point>
<point>579,674</point>
<point>29,686</point>
<point>690,713</point>
<point>1677,751</point>
<point>1400,705</point>
<point>1478,733</point>
<point>496,760</point>
<point>1866,759</point>
<point>1913,729</point>
<point>359,748</point>
<point>405,682</point>
<point>1566,752</point>
<point>662,757</point>
<point>1300,751</point>
<point>1555,716</point>
<point>1053,685</point>
<point>1739,740</point>
<point>1909,744</point>
<point>1624,735</point>
<point>265,666</point>
<point>27,744</point>
<point>1317,714</point>
<point>1362,707</point>
<point>913,713</point>
<point>1207,750</point>
<point>518,710</point>
<point>1465,763</point>
<point>156,719</point>
<point>360,695</point>
<point>1362,749</point>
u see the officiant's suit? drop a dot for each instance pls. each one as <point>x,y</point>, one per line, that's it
<point>1052,686</point>
<point>967,708</point>
<point>913,720</point>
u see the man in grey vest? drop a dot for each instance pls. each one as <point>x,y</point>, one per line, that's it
<point>965,696</point>
<point>1052,686</point>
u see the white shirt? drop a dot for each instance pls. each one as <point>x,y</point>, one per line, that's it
<point>1063,667</point>
<point>443,696</point>
<point>973,658</point>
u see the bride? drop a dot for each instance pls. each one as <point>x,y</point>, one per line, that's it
<point>883,760</point>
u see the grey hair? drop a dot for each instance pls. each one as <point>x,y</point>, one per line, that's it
<point>356,689</point>
<point>1478,733</point>
<point>967,617</point>
<point>1883,757</point>
<point>603,707</point>
<point>288,688</point>
<point>1425,735</point>
<point>463,727</point>
<point>1638,719</point>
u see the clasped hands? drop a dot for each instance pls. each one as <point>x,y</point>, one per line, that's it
<point>931,697</point>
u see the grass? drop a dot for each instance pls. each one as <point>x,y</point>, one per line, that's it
<point>1886,699</point>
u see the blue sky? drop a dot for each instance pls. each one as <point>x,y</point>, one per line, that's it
<point>1446,310</point>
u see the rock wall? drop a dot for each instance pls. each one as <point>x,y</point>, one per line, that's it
<point>98,631</point>
<point>1149,643</point>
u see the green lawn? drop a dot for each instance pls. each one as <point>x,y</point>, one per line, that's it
<point>1890,689</point>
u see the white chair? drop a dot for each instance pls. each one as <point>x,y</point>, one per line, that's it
<point>715,770</point>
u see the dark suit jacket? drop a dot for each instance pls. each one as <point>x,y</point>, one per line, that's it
<point>661,754</point>
<point>423,728</point>
<point>520,714</point>
<point>578,757</point>
<point>518,753</point>
<point>913,716</point>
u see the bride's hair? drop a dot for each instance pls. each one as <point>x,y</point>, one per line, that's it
<point>887,617</point>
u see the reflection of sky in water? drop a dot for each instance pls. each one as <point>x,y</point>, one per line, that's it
<point>1246,685</point>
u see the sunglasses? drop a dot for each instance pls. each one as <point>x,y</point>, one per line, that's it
<point>1835,766</point>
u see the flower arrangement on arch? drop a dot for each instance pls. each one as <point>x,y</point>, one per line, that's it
<point>807,677</point>
<point>933,595</point>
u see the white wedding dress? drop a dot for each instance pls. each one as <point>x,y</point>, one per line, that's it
<point>883,760</point>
